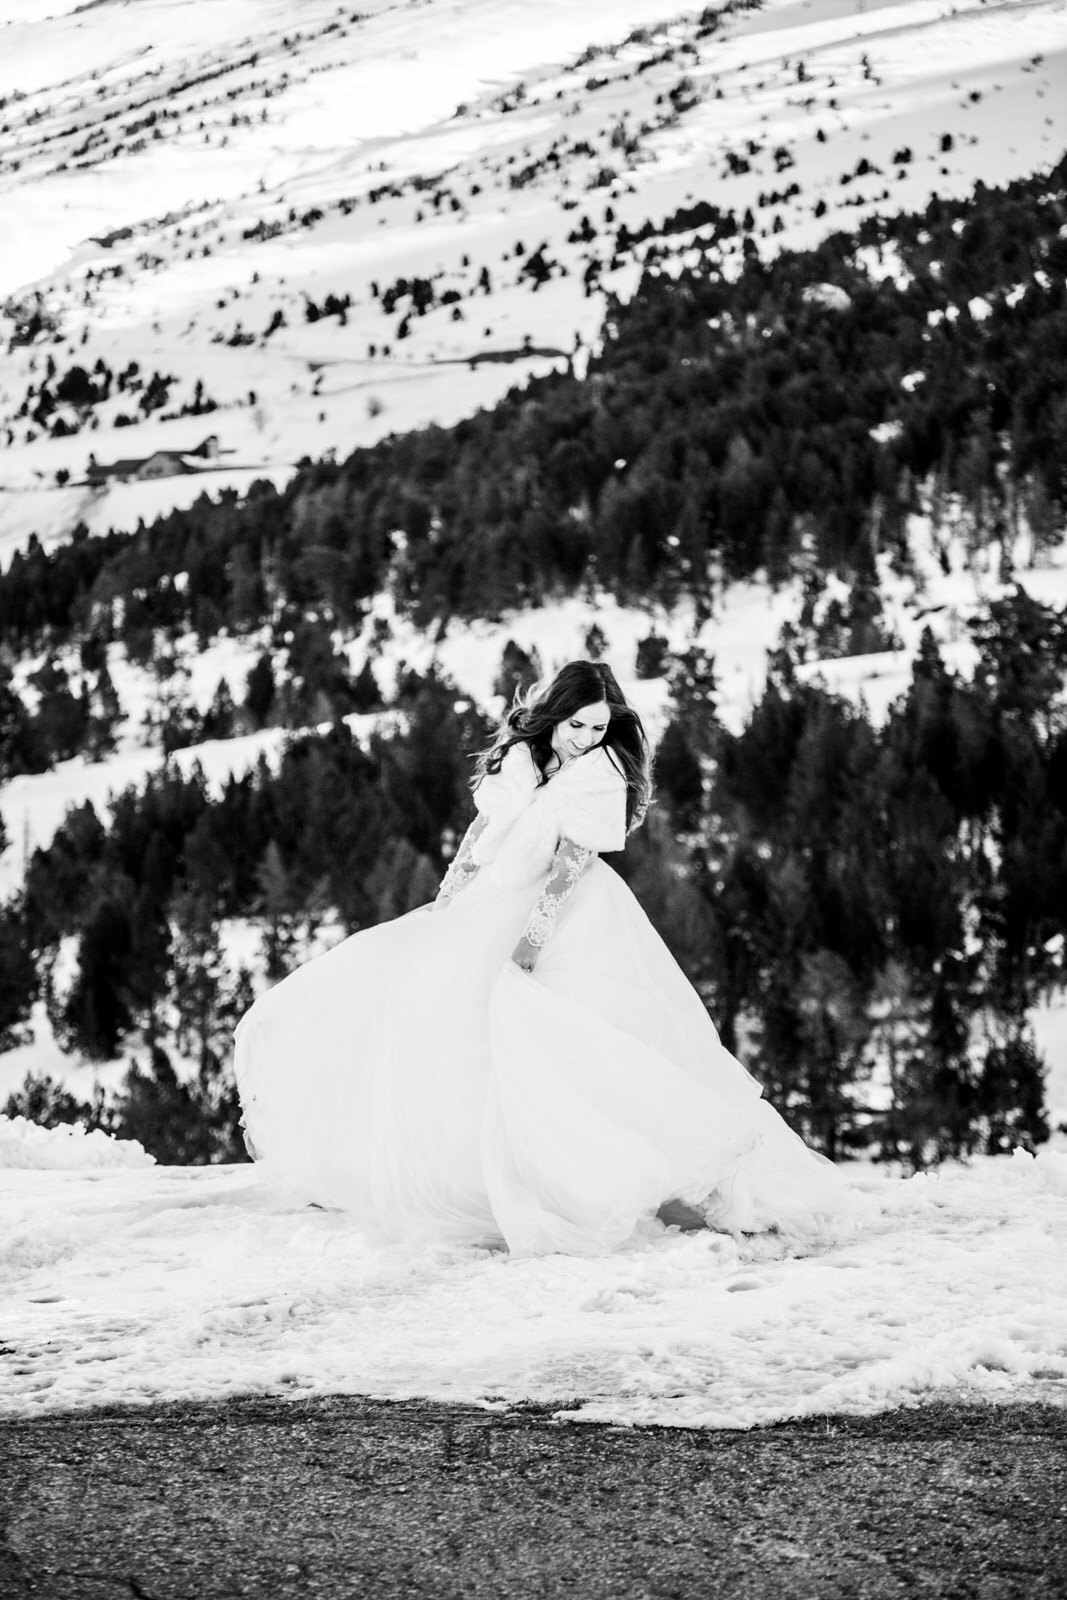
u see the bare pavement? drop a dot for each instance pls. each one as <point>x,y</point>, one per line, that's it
<point>348,1497</point>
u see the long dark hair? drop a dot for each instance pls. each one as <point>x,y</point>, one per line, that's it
<point>537,712</point>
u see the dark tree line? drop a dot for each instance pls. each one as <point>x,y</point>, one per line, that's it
<point>898,892</point>
<point>839,893</point>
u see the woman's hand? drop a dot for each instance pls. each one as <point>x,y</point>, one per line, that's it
<point>525,954</point>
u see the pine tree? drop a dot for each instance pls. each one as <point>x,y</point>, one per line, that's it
<point>18,974</point>
<point>679,778</point>
<point>519,670</point>
<point>161,1112</point>
<point>105,716</point>
<point>897,1045</point>
<point>834,1028</point>
<point>277,907</point>
<point>196,976</point>
<point>402,879</point>
<point>220,719</point>
<point>1011,1092</point>
<point>366,695</point>
<point>97,1014</point>
<point>260,691</point>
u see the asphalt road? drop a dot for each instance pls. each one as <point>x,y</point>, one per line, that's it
<point>352,1497</point>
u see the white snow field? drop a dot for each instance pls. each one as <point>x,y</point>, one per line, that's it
<point>138,1284</point>
<point>175,177</point>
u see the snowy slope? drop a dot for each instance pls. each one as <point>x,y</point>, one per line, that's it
<point>160,1283</point>
<point>174,177</point>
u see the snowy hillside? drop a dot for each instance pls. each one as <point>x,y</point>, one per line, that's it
<point>300,228</point>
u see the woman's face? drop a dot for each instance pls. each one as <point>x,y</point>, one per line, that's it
<point>581,731</point>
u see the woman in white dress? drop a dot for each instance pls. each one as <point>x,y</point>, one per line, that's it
<point>523,1060</point>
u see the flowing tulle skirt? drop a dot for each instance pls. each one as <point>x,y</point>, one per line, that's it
<point>415,1076</point>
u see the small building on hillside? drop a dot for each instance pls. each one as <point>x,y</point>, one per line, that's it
<point>160,464</point>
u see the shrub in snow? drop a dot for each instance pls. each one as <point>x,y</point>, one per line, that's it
<point>519,669</point>
<point>651,656</point>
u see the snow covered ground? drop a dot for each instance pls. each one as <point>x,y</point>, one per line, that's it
<point>136,1284</point>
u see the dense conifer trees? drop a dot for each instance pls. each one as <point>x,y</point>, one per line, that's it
<point>725,427</point>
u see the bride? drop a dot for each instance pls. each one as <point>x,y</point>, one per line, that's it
<point>523,1060</point>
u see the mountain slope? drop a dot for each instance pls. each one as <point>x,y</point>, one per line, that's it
<point>184,197</point>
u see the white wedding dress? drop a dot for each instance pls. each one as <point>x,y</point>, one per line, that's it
<point>418,1078</point>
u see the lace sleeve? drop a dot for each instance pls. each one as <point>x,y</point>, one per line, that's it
<point>462,868</point>
<point>568,864</point>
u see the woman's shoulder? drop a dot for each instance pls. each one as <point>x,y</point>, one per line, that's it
<point>589,802</point>
<point>512,783</point>
<point>598,769</point>
<point>516,765</point>
<point>519,759</point>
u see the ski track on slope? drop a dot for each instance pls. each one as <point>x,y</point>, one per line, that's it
<point>148,1285</point>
